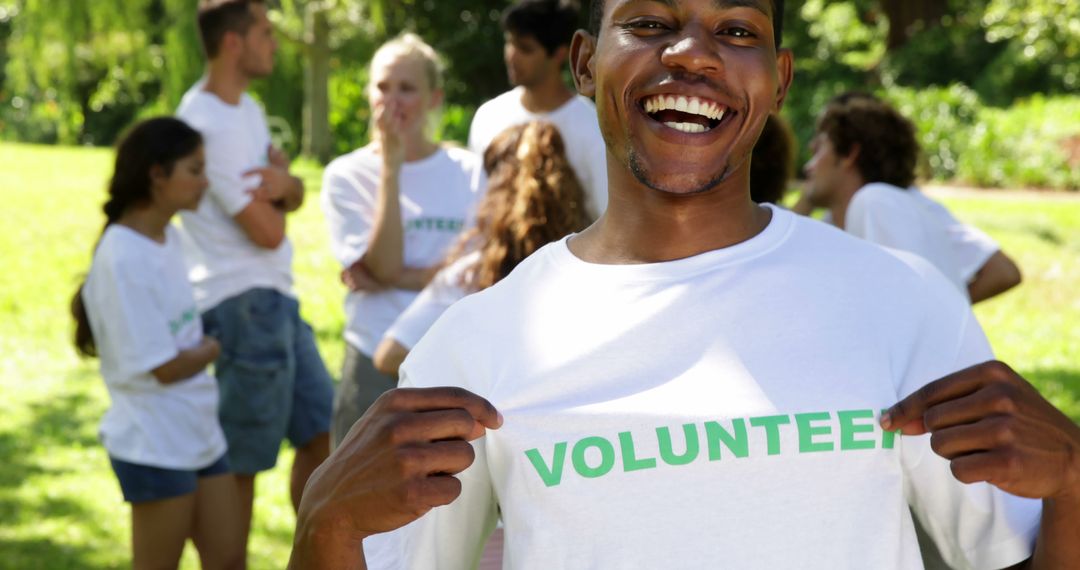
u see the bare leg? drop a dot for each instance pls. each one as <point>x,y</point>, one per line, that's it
<point>245,489</point>
<point>217,524</point>
<point>307,460</point>
<point>159,530</point>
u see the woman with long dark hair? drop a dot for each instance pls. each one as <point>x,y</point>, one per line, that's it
<point>533,198</point>
<point>136,313</point>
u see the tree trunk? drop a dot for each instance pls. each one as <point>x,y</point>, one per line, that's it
<point>316,140</point>
<point>904,15</point>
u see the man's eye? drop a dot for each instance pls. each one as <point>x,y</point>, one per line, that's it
<point>737,32</point>
<point>645,25</point>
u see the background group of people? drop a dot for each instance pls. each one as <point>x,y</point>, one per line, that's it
<point>416,225</point>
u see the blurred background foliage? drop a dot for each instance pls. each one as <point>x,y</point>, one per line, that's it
<point>992,84</point>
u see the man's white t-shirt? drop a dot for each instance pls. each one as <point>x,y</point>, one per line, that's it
<point>909,221</point>
<point>438,198</point>
<point>971,247</point>
<point>142,314</point>
<point>718,411</point>
<point>576,122</point>
<point>445,289</point>
<point>223,262</point>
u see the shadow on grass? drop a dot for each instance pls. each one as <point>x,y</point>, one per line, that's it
<point>59,423</point>
<point>1045,234</point>
<point>45,553</point>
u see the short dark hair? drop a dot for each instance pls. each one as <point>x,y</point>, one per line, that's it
<point>217,17</point>
<point>596,15</point>
<point>888,147</point>
<point>551,22</point>
<point>772,161</point>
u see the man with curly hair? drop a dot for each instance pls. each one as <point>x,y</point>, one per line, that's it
<point>865,155</point>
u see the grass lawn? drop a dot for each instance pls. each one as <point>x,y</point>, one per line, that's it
<point>60,506</point>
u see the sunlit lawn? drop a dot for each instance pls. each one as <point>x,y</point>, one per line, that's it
<point>60,506</point>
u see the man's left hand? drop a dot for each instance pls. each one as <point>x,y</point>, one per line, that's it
<point>993,426</point>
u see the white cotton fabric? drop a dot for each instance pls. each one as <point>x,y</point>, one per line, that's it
<point>971,247</point>
<point>445,289</point>
<point>223,262</point>
<point>799,319</point>
<point>142,314</point>
<point>907,220</point>
<point>438,199</point>
<point>576,122</point>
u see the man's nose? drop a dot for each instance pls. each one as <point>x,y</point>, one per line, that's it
<point>694,51</point>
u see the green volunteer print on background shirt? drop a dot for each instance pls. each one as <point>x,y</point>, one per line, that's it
<point>857,431</point>
<point>434,224</point>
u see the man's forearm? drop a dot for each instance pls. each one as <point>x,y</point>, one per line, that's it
<point>1058,545</point>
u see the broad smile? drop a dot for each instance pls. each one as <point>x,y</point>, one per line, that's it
<point>685,114</point>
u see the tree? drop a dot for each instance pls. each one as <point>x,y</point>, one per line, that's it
<point>318,28</point>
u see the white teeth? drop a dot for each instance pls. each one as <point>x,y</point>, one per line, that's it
<point>687,127</point>
<point>692,105</point>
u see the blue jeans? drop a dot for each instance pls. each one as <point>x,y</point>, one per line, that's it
<point>273,382</point>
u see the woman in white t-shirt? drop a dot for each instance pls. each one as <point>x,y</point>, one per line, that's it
<point>393,208</point>
<point>136,312</point>
<point>533,198</point>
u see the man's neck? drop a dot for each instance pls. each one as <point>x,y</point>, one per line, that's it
<point>642,225</point>
<point>546,96</point>
<point>844,195</point>
<point>226,81</point>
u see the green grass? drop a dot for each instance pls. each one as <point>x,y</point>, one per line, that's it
<point>60,506</point>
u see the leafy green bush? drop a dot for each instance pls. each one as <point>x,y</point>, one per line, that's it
<point>943,118</point>
<point>1035,143</point>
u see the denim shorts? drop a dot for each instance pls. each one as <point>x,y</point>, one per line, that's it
<point>142,483</point>
<point>274,385</point>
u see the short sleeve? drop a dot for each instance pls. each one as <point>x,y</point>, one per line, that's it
<point>228,188</point>
<point>132,318</point>
<point>349,208</point>
<point>973,248</point>
<point>978,525</point>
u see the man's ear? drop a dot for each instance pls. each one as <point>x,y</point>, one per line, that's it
<point>230,42</point>
<point>852,155</point>
<point>582,50</point>
<point>785,69</point>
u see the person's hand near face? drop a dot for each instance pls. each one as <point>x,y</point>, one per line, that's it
<point>390,122</point>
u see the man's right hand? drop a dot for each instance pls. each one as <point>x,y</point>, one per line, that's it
<point>396,463</point>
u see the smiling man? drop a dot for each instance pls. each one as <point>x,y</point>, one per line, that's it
<point>648,422</point>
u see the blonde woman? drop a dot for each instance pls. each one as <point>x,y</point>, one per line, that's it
<point>393,208</point>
